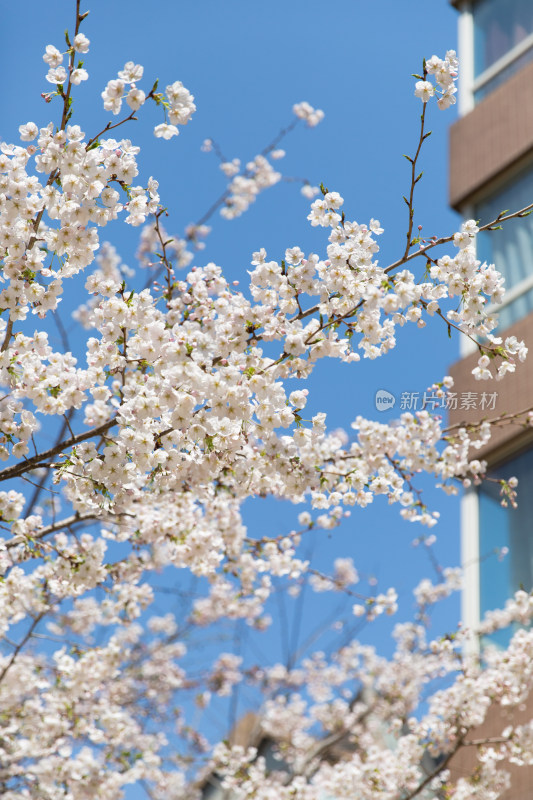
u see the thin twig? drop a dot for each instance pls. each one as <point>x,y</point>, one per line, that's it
<point>414,178</point>
<point>523,212</point>
<point>21,644</point>
<point>506,417</point>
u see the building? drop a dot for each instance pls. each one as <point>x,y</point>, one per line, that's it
<point>491,170</point>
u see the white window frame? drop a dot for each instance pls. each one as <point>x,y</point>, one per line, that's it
<point>502,63</point>
<point>465,43</point>
<point>470,596</point>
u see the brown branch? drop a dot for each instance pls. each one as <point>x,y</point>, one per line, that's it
<point>66,97</point>
<point>21,644</point>
<point>488,740</point>
<point>164,257</point>
<point>523,212</point>
<point>7,338</point>
<point>110,127</point>
<point>57,526</point>
<point>414,178</point>
<point>502,418</point>
<point>40,485</point>
<point>436,772</point>
<point>35,461</point>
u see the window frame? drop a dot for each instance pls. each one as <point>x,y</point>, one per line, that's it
<point>501,64</point>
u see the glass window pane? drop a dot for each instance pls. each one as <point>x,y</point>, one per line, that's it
<point>505,527</point>
<point>509,249</point>
<point>498,27</point>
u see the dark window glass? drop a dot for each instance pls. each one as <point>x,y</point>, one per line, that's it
<point>499,25</point>
<point>509,249</point>
<point>505,527</point>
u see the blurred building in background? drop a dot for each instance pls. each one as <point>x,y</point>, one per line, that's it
<point>491,170</point>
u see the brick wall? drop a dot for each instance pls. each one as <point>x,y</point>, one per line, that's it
<point>514,393</point>
<point>493,138</point>
<point>464,763</point>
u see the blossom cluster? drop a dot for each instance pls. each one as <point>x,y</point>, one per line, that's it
<point>177,101</point>
<point>243,189</point>
<point>259,174</point>
<point>444,72</point>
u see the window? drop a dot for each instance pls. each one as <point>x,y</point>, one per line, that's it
<point>498,28</point>
<point>487,86</point>
<point>505,527</point>
<point>503,31</point>
<point>510,249</point>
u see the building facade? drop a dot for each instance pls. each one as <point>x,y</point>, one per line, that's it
<point>491,170</point>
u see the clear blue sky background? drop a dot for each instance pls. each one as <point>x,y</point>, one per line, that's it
<point>247,62</point>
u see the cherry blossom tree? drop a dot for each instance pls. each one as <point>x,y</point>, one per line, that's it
<point>183,409</point>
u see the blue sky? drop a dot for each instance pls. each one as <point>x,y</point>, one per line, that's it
<point>247,63</point>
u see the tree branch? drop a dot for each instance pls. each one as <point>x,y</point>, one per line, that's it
<point>57,526</point>
<point>35,461</point>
